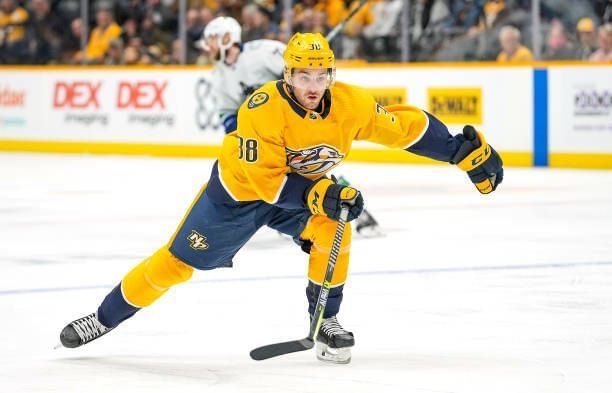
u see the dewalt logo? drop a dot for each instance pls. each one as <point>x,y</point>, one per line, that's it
<point>389,95</point>
<point>456,105</point>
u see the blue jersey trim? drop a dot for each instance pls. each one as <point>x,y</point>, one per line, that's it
<point>291,196</point>
<point>437,143</point>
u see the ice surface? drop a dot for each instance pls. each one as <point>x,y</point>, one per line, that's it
<point>506,293</point>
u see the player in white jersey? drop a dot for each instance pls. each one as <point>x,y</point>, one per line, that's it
<point>241,69</point>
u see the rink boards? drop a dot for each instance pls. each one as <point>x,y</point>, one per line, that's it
<point>542,114</point>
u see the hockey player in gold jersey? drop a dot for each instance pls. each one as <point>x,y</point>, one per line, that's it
<point>272,172</point>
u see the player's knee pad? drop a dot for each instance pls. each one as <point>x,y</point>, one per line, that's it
<point>153,277</point>
<point>321,231</point>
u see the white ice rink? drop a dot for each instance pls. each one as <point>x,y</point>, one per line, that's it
<point>506,293</point>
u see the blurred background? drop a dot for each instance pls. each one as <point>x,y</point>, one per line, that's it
<point>115,32</point>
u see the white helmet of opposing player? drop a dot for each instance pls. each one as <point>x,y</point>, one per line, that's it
<point>219,28</point>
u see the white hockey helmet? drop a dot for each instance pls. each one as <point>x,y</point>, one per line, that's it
<point>219,27</point>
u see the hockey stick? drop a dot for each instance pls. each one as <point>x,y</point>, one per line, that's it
<point>334,32</point>
<point>272,350</point>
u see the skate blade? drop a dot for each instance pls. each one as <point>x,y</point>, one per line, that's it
<point>333,355</point>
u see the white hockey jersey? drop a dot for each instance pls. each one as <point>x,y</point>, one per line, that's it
<point>259,62</point>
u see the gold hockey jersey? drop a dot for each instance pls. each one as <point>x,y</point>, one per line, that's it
<point>277,138</point>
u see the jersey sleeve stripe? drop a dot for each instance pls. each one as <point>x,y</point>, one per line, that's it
<point>421,134</point>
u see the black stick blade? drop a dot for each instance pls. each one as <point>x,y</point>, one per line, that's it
<point>272,350</point>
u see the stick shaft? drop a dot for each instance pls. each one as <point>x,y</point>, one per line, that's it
<point>277,349</point>
<point>317,318</point>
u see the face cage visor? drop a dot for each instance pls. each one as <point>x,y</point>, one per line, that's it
<point>203,44</point>
<point>304,81</point>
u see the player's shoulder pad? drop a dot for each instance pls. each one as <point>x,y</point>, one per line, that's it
<point>355,96</point>
<point>262,96</point>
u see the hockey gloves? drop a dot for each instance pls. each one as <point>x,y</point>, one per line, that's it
<point>481,162</point>
<point>326,197</point>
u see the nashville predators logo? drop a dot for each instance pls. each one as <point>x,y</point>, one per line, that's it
<point>313,160</point>
<point>197,241</point>
<point>257,100</point>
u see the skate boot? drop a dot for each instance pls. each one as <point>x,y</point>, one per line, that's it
<point>333,342</point>
<point>366,225</point>
<point>82,331</point>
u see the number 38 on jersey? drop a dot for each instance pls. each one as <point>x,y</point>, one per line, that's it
<point>247,149</point>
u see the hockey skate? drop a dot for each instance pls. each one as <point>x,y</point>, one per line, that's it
<point>334,342</point>
<point>367,226</point>
<point>82,331</point>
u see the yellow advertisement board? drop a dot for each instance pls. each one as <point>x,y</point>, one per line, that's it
<point>456,105</point>
<point>389,95</point>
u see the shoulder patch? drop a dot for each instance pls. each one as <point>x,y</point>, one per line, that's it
<point>258,100</point>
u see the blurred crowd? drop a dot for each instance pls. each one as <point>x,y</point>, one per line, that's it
<point>146,31</point>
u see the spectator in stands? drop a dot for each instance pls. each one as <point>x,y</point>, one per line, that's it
<point>194,26</point>
<point>558,47</point>
<point>129,30</point>
<point>231,8</point>
<point>114,54</point>
<point>45,33</point>
<point>307,21</point>
<point>257,23</point>
<point>130,9</point>
<point>604,53</point>
<point>106,30</point>
<point>512,50</point>
<point>587,38</point>
<point>68,10</point>
<point>71,43</point>
<point>493,12</point>
<point>247,19</point>
<point>131,56</point>
<point>151,33</point>
<point>163,16</point>
<point>175,54</point>
<point>136,43</point>
<point>350,47</point>
<point>13,44</point>
<point>263,21</point>
<point>206,15</point>
<point>380,37</point>
<point>464,14</point>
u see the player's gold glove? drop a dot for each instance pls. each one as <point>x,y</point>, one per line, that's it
<point>326,197</point>
<point>481,162</point>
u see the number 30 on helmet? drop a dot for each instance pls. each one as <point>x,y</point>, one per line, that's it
<point>309,50</point>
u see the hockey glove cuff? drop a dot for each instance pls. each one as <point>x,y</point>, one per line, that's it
<point>326,197</point>
<point>481,162</point>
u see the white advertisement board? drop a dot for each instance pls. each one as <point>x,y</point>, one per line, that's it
<point>111,106</point>
<point>176,106</point>
<point>495,100</point>
<point>580,109</point>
